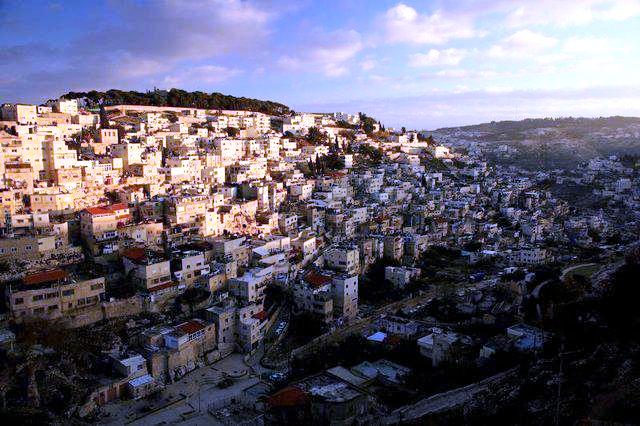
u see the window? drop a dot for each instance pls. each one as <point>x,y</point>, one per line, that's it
<point>96,286</point>
<point>38,297</point>
<point>38,311</point>
<point>18,301</point>
<point>68,292</point>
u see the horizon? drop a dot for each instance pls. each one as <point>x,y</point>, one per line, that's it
<point>416,64</point>
<point>417,128</point>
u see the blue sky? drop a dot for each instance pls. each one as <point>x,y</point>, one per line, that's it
<point>422,64</point>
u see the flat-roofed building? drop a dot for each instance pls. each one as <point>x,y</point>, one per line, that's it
<point>53,293</point>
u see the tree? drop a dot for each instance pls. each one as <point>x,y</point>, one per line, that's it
<point>373,155</point>
<point>367,123</point>
<point>104,119</point>
<point>315,136</point>
<point>232,132</point>
<point>179,98</point>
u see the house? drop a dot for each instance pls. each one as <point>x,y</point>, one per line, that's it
<point>399,326</point>
<point>400,276</point>
<point>99,226</point>
<point>383,370</point>
<point>527,337</point>
<point>439,343</point>
<point>148,270</point>
<point>323,398</point>
<point>189,331</point>
<point>53,293</point>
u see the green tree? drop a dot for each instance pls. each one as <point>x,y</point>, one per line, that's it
<point>316,137</point>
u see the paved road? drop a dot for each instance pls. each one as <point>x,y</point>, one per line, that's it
<point>444,401</point>
<point>390,308</point>
<point>572,268</point>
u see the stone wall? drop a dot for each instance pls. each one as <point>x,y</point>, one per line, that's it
<point>106,310</point>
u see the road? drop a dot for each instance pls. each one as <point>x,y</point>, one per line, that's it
<point>445,401</point>
<point>390,308</point>
<point>191,396</point>
<point>573,268</point>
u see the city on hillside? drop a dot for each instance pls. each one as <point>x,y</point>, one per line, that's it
<point>172,264</point>
<point>347,213</point>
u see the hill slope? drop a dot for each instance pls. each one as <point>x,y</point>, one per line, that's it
<point>179,98</point>
<point>548,142</point>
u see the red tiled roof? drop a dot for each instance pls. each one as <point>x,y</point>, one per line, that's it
<point>163,286</point>
<point>262,315</point>
<point>190,327</point>
<point>288,397</point>
<point>135,253</point>
<point>116,207</point>
<point>316,279</point>
<point>109,209</point>
<point>46,276</point>
<point>97,210</point>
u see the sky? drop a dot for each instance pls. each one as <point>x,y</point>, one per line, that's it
<point>419,64</point>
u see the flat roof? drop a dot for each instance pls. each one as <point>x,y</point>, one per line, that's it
<point>141,381</point>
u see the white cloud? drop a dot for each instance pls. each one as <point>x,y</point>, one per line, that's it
<point>403,24</point>
<point>527,39</point>
<point>586,45</point>
<point>522,44</point>
<point>126,52</point>
<point>569,12</point>
<point>328,53</point>
<point>205,74</point>
<point>454,73</point>
<point>460,73</point>
<point>368,64</point>
<point>434,57</point>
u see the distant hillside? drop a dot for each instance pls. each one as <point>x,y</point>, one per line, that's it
<point>573,125</point>
<point>550,142</point>
<point>179,98</point>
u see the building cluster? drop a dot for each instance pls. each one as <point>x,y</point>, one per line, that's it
<point>136,209</point>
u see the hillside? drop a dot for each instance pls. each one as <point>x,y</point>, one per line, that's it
<point>179,98</point>
<point>572,126</point>
<point>548,142</point>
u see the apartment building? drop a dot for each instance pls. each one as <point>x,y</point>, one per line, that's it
<point>251,285</point>
<point>148,270</point>
<point>343,258</point>
<point>52,294</point>
<point>99,226</point>
<point>189,267</point>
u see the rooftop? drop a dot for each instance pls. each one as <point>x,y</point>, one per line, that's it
<point>44,277</point>
<point>315,279</point>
